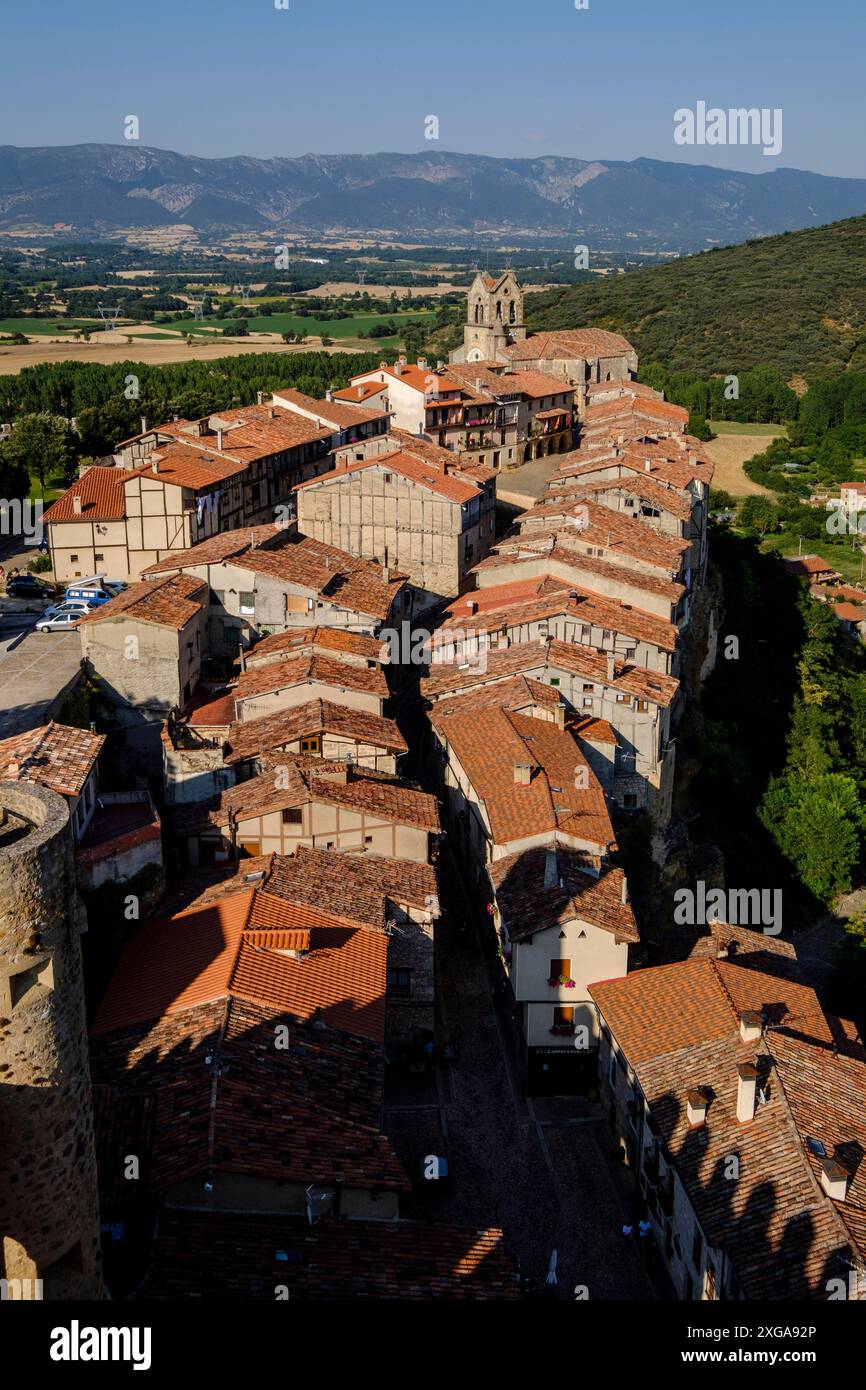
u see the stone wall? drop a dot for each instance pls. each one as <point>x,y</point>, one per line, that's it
<point>49,1219</point>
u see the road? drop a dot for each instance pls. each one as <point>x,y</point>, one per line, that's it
<point>541,1170</point>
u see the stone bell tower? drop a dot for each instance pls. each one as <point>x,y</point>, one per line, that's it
<point>494,318</point>
<point>49,1218</point>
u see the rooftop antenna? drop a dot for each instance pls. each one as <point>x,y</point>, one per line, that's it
<point>109,313</point>
<point>198,306</point>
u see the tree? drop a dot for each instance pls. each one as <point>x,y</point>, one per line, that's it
<point>758,515</point>
<point>43,445</point>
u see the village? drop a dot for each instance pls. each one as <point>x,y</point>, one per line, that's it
<point>368,998</point>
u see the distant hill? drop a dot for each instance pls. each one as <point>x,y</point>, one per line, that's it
<point>796,302</point>
<point>644,204</point>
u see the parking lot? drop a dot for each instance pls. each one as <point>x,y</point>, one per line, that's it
<point>36,671</point>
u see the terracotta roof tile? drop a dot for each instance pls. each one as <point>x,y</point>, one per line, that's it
<point>56,756</point>
<point>172,602</point>
<point>527,906</point>
<point>246,740</point>
<point>217,1255</point>
<point>490,744</point>
<point>101,493</point>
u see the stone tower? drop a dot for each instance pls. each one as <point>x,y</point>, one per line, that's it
<point>49,1217</point>
<point>494,318</point>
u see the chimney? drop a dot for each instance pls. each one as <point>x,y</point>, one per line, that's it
<point>747,1077</point>
<point>398,367</point>
<point>260,396</point>
<point>751,1026</point>
<point>272,412</point>
<point>12,771</point>
<point>522,774</point>
<point>551,868</point>
<point>624,890</point>
<point>76,504</point>
<point>471,607</point>
<point>144,424</point>
<point>696,1107</point>
<point>154,466</point>
<point>440,365</point>
<point>611,667</point>
<point>647,465</point>
<point>360,393</point>
<point>559,716</point>
<point>329,395</point>
<point>219,435</point>
<point>422,364</point>
<point>834,1179</point>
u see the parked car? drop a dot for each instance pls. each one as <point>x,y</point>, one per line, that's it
<point>93,594</point>
<point>28,586</point>
<point>61,622</point>
<point>72,605</point>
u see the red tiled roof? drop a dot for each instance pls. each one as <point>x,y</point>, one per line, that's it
<point>56,756</point>
<point>172,602</point>
<point>310,668</point>
<point>678,1027</point>
<point>206,953</point>
<point>528,906</point>
<point>410,467</point>
<point>489,744</point>
<point>223,546</point>
<point>101,493</point>
<point>219,1255</point>
<point>247,740</point>
<point>376,793</point>
<point>585,343</point>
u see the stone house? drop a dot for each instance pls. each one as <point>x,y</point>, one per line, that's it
<point>407,509</point>
<point>626,713</point>
<point>562,923</point>
<point>715,1074</point>
<point>329,805</point>
<point>275,580</point>
<point>534,609</point>
<point>145,648</point>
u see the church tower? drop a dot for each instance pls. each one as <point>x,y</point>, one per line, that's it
<point>494,318</point>
<point>49,1219</point>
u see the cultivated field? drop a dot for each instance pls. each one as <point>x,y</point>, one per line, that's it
<point>730,450</point>
<point>15,359</point>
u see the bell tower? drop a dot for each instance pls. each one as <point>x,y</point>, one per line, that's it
<point>494,318</point>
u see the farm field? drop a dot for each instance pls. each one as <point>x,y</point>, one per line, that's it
<point>735,447</point>
<point>295,323</point>
<point>47,327</point>
<point>14,358</point>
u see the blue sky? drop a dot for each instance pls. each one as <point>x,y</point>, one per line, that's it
<point>504,77</point>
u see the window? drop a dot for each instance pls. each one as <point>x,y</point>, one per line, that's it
<point>557,968</point>
<point>563,1020</point>
<point>246,602</point>
<point>74,559</point>
<point>387,478</point>
<point>554,680</point>
<point>629,801</point>
<point>251,848</point>
<point>311,744</point>
<point>368,839</point>
<point>25,986</point>
<point>399,981</point>
<point>98,557</point>
<point>292,815</point>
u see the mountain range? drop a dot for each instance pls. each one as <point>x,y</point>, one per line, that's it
<point>614,205</point>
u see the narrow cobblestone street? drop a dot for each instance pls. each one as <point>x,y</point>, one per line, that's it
<point>540,1170</point>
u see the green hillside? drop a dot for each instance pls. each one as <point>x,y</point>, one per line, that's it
<point>795,302</point>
